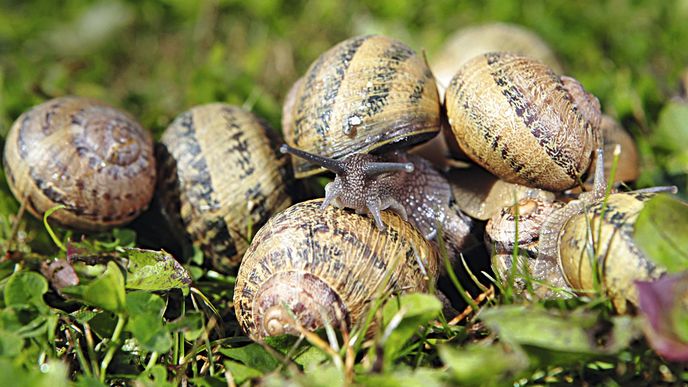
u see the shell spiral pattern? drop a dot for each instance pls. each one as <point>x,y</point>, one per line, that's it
<point>92,158</point>
<point>326,266</point>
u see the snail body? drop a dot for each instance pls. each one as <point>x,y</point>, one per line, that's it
<point>93,159</point>
<point>519,120</point>
<point>325,267</point>
<point>367,93</point>
<point>222,177</point>
<point>555,243</point>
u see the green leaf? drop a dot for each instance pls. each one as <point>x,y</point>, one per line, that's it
<point>576,332</point>
<point>484,365</point>
<point>404,377</point>
<point>50,374</point>
<point>154,270</point>
<point>106,291</point>
<point>672,127</point>
<point>26,288</point>
<point>145,321</point>
<point>10,344</point>
<point>252,355</point>
<point>156,376</point>
<point>240,372</point>
<point>88,381</point>
<point>191,324</point>
<point>403,317</point>
<point>661,231</point>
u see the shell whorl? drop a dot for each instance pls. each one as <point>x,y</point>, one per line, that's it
<point>90,157</point>
<point>332,259</point>
<point>222,173</point>
<point>365,93</point>
<point>515,117</point>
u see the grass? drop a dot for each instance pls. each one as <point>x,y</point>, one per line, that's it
<point>156,59</point>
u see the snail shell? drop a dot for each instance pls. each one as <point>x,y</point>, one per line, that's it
<point>519,120</point>
<point>472,41</point>
<point>223,177</point>
<point>95,160</point>
<point>619,260</point>
<point>326,267</point>
<point>365,93</point>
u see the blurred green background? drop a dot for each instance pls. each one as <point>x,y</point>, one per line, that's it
<point>158,58</point>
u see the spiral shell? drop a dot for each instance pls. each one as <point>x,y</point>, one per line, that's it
<point>365,93</point>
<point>223,176</point>
<point>519,120</point>
<point>619,260</point>
<point>95,160</point>
<point>326,267</point>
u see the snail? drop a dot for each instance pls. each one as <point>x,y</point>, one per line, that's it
<point>555,244</point>
<point>367,93</point>
<point>519,120</point>
<point>93,159</point>
<point>307,268</point>
<point>359,104</point>
<point>220,174</point>
<point>472,41</point>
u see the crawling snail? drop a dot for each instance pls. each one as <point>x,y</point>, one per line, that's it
<point>519,120</point>
<point>373,94</point>
<point>554,242</point>
<point>307,268</point>
<point>220,174</point>
<point>91,158</point>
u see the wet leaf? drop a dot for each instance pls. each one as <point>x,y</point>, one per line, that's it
<point>145,321</point>
<point>661,231</point>
<point>664,305</point>
<point>484,365</point>
<point>576,332</point>
<point>154,270</point>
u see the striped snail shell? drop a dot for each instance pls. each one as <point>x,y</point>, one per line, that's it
<point>326,267</point>
<point>366,93</point>
<point>519,120</point>
<point>222,176</point>
<point>95,160</point>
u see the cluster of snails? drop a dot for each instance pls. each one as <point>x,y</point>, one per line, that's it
<point>388,218</point>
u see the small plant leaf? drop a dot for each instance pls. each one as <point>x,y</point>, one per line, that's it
<point>240,372</point>
<point>672,127</point>
<point>663,304</point>
<point>26,288</point>
<point>145,321</point>
<point>252,355</point>
<point>661,231</point>
<point>190,323</point>
<point>10,344</point>
<point>576,332</point>
<point>154,270</point>
<point>484,365</point>
<point>106,291</point>
<point>403,317</point>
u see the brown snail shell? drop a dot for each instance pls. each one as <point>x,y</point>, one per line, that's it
<point>365,93</point>
<point>472,41</point>
<point>325,267</point>
<point>95,160</point>
<point>222,175</point>
<point>519,120</point>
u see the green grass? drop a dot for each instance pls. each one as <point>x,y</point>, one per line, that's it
<point>156,59</point>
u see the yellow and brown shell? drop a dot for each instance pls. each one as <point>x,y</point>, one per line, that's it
<point>522,122</point>
<point>93,159</point>
<point>366,93</point>
<point>224,177</point>
<point>619,262</point>
<point>326,267</point>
